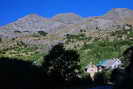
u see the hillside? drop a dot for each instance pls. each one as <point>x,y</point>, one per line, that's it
<point>104,45</point>
<point>95,38</point>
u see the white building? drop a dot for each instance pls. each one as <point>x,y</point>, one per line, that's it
<point>110,63</point>
<point>91,69</point>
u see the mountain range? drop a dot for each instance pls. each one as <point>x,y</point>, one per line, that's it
<point>27,27</point>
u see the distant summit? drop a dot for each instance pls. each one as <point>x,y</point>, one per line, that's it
<point>67,18</point>
<point>32,23</point>
<point>71,23</point>
<point>32,17</point>
<point>120,15</point>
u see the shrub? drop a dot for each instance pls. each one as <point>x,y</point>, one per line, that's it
<point>43,33</point>
<point>17,31</point>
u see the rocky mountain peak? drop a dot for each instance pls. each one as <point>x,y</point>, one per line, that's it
<point>67,18</point>
<point>32,18</point>
<point>120,12</point>
<point>119,9</point>
<point>32,15</point>
<point>119,15</point>
<point>31,22</point>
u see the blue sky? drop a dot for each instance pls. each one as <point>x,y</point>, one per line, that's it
<point>10,10</point>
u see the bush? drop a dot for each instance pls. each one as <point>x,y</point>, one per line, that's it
<point>43,33</point>
<point>17,31</point>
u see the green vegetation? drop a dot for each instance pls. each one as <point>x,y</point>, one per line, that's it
<point>17,31</point>
<point>62,64</point>
<point>39,34</point>
<point>43,33</point>
<point>100,49</point>
<point>91,49</point>
<point>66,64</point>
<point>79,37</point>
<point>22,51</point>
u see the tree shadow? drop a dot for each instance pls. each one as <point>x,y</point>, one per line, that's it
<point>60,69</point>
<point>18,74</point>
<point>100,79</point>
<point>123,78</point>
<point>61,65</point>
<point>63,68</point>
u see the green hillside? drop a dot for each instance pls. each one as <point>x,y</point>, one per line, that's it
<point>94,49</point>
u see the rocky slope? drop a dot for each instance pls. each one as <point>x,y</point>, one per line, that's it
<point>34,22</point>
<point>26,28</point>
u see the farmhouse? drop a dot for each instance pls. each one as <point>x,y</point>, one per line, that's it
<point>105,64</point>
<point>91,69</point>
<point>110,63</point>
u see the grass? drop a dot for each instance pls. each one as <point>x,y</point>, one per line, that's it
<point>24,53</point>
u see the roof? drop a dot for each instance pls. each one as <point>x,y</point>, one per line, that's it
<point>107,62</point>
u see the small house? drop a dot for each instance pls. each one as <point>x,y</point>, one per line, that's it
<point>110,63</point>
<point>91,69</point>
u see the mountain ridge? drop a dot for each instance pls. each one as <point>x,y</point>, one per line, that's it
<point>72,18</point>
<point>68,23</point>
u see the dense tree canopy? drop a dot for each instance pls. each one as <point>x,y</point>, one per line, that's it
<point>62,64</point>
